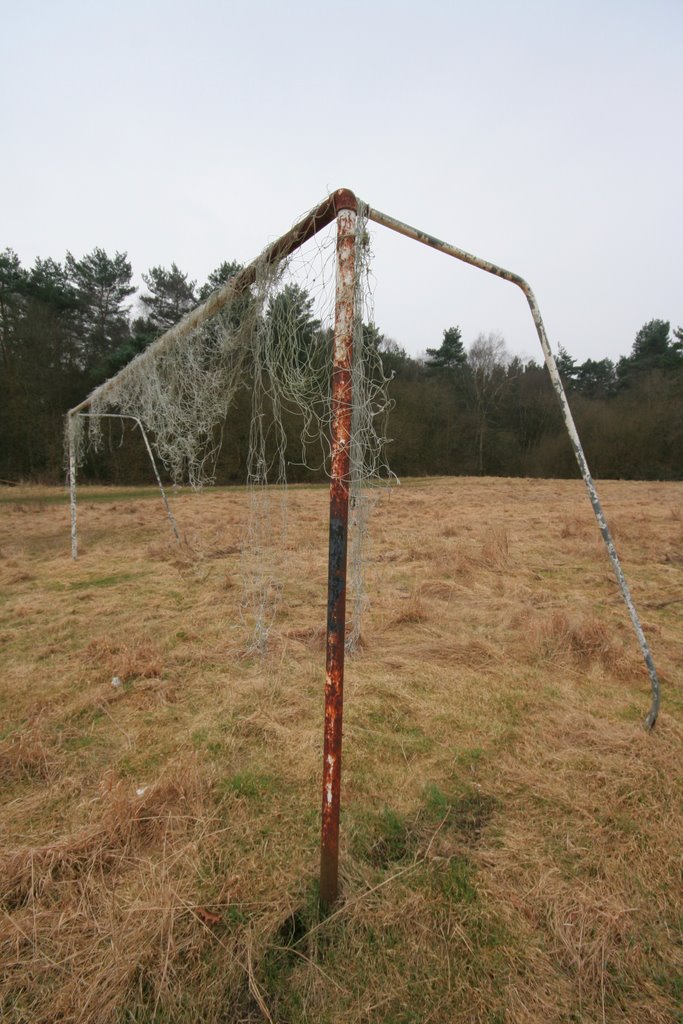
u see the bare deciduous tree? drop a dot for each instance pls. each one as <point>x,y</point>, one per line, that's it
<point>487,362</point>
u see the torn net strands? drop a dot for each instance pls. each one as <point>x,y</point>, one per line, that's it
<point>275,339</point>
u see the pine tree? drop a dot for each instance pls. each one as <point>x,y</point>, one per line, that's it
<point>101,285</point>
<point>451,355</point>
<point>171,296</point>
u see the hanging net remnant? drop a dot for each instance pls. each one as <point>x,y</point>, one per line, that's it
<point>274,337</point>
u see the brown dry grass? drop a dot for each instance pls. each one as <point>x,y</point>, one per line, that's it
<point>511,836</point>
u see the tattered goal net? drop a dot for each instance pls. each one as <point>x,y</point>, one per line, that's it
<point>272,333</point>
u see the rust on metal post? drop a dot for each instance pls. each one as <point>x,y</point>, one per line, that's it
<point>345,205</point>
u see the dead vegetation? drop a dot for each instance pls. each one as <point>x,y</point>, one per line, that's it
<point>125,659</point>
<point>511,836</point>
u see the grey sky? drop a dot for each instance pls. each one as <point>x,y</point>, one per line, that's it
<point>543,136</point>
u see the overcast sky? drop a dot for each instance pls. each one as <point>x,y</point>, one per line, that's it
<point>546,137</point>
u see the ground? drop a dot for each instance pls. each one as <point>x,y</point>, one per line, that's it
<point>511,834</point>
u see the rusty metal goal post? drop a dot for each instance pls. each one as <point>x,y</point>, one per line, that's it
<point>257,329</point>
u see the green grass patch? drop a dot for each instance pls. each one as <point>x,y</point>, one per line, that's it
<point>201,740</point>
<point>470,758</point>
<point>251,785</point>
<point>78,742</point>
<point>137,766</point>
<point>452,879</point>
<point>94,582</point>
<point>388,837</point>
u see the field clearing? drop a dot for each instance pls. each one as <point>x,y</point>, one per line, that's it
<point>511,836</point>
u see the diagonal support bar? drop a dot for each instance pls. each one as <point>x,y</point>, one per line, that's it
<point>138,424</point>
<point>507,275</point>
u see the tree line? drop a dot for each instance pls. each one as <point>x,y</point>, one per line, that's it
<point>65,327</point>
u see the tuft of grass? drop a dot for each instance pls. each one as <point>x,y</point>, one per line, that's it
<point>28,754</point>
<point>413,611</point>
<point>495,549</point>
<point>135,657</point>
<point>578,639</point>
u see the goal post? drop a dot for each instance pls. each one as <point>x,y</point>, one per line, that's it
<point>342,401</point>
<point>126,392</point>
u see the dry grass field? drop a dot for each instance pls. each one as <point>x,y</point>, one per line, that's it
<point>512,837</point>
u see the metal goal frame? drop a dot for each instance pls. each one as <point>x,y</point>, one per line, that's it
<point>342,206</point>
